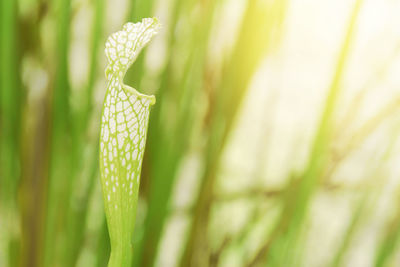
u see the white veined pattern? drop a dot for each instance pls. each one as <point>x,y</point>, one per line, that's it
<point>124,124</point>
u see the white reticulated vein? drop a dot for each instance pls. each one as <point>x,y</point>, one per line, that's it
<point>123,128</point>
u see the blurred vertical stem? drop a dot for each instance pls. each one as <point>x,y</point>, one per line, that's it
<point>103,246</point>
<point>145,249</point>
<point>83,185</point>
<point>61,150</point>
<point>9,131</point>
<point>173,142</point>
<point>255,39</point>
<point>390,241</point>
<point>391,235</point>
<point>284,239</point>
<point>368,201</point>
<point>97,31</point>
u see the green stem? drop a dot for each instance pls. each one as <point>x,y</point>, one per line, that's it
<point>121,256</point>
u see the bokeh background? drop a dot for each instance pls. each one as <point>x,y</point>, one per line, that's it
<point>274,140</point>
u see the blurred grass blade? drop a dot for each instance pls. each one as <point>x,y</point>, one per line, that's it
<point>350,232</point>
<point>367,203</point>
<point>10,95</point>
<point>76,215</point>
<point>59,184</point>
<point>256,37</point>
<point>174,139</point>
<point>284,239</point>
<point>388,245</point>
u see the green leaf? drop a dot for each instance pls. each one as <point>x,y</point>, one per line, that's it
<point>124,124</point>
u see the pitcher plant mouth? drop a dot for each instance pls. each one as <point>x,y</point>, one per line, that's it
<point>123,47</point>
<point>123,133</point>
<point>128,89</point>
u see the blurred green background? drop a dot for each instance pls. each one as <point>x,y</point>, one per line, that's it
<point>274,140</point>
